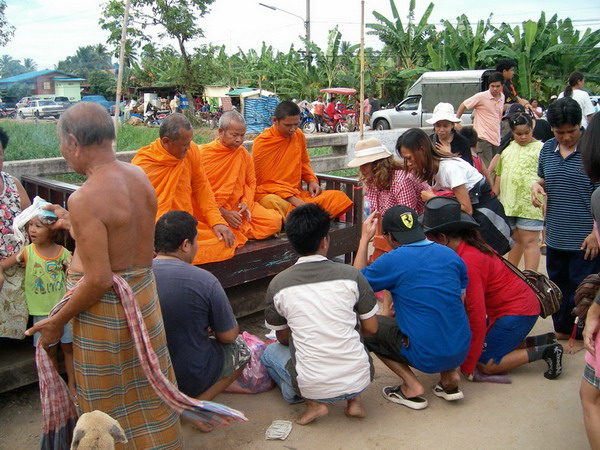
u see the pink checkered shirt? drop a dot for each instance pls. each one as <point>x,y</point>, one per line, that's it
<point>404,190</point>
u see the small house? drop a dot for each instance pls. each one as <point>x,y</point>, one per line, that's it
<point>48,83</point>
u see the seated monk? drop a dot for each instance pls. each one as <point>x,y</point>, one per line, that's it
<point>230,172</point>
<point>173,165</point>
<point>282,163</point>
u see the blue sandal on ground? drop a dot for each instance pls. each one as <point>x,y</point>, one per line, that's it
<point>394,394</point>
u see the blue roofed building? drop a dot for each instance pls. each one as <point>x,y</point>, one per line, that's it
<point>48,83</point>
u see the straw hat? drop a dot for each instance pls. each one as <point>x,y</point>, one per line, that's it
<point>367,151</point>
<point>443,111</point>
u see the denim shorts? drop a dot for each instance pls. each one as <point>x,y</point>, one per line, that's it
<point>525,224</point>
<point>339,398</point>
<point>66,338</point>
<point>506,335</point>
<point>589,375</point>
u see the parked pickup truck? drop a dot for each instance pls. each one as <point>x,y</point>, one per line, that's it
<point>40,108</point>
<point>101,100</point>
<point>430,89</point>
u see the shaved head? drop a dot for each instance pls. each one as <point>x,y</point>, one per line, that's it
<point>88,122</point>
<point>172,126</point>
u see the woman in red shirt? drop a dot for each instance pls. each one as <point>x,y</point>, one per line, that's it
<point>501,307</point>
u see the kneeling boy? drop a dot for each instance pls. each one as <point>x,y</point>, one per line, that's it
<point>314,306</point>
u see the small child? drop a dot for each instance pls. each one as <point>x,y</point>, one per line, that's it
<point>515,173</point>
<point>45,264</point>
<point>315,306</point>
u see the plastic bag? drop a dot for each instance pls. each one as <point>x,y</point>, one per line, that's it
<point>254,378</point>
<point>35,210</point>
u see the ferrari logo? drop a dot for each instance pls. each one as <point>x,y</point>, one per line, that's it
<point>407,219</point>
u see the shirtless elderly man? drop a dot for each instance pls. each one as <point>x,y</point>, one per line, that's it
<point>112,219</point>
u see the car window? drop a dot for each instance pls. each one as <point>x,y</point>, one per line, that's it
<point>409,104</point>
<point>46,103</point>
<point>61,99</point>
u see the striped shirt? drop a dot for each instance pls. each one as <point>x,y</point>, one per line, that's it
<point>569,191</point>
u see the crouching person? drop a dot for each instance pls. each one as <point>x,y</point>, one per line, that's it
<point>315,308</point>
<point>430,331</point>
<point>194,308</point>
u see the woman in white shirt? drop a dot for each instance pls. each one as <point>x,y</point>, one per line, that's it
<point>576,92</point>
<point>459,179</point>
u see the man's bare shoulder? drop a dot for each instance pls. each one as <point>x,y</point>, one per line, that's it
<point>109,184</point>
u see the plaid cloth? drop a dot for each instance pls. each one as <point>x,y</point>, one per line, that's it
<point>58,409</point>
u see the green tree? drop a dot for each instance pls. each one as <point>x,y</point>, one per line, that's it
<point>176,19</point>
<point>86,60</point>
<point>10,67</point>
<point>19,90</point>
<point>7,31</point>
<point>29,65</point>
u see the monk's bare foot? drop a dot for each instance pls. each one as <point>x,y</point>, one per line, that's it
<point>204,427</point>
<point>354,408</point>
<point>312,411</point>
<point>573,347</point>
<point>562,337</point>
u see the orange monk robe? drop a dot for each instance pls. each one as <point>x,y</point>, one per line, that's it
<point>181,184</point>
<point>233,181</point>
<point>281,165</point>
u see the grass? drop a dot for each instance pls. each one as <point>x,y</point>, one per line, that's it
<point>32,140</point>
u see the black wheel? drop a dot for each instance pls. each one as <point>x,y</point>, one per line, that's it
<point>214,123</point>
<point>21,115</point>
<point>309,127</point>
<point>382,124</point>
<point>36,114</point>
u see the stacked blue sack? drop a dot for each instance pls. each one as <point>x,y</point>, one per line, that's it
<point>258,113</point>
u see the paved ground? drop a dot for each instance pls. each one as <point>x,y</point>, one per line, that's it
<point>532,413</point>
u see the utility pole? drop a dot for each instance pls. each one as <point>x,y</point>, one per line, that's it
<point>307,26</point>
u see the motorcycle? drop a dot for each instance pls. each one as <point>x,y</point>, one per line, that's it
<point>307,122</point>
<point>337,124</point>
<point>153,116</point>
<point>5,112</point>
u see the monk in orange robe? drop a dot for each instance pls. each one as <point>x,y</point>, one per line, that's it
<point>173,164</point>
<point>282,163</point>
<point>230,171</point>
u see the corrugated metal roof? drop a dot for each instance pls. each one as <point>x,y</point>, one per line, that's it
<point>240,91</point>
<point>67,79</point>
<point>30,75</point>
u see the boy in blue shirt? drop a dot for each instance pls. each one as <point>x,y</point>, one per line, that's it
<point>430,331</point>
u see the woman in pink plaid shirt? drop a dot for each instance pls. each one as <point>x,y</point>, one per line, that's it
<point>387,183</point>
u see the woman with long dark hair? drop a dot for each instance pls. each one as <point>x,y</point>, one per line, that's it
<point>446,172</point>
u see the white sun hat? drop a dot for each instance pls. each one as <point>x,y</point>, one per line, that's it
<point>443,111</point>
<point>367,151</point>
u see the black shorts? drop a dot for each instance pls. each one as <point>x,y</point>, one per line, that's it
<point>388,341</point>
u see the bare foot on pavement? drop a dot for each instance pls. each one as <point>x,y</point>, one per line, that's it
<point>312,411</point>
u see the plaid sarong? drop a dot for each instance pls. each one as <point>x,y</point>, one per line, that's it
<point>123,367</point>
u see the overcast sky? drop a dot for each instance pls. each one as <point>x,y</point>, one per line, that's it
<point>50,30</point>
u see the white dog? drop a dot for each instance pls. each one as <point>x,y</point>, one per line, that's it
<point>97,431</point>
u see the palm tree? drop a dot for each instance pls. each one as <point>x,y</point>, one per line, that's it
<point>29,65</point>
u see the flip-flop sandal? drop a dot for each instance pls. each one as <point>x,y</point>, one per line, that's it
<point>448,395</point>
<point>394,394</point>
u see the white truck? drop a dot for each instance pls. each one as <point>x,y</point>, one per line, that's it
<point>430,89</point>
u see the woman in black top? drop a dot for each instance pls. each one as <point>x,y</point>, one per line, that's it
<point>445,137</point>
